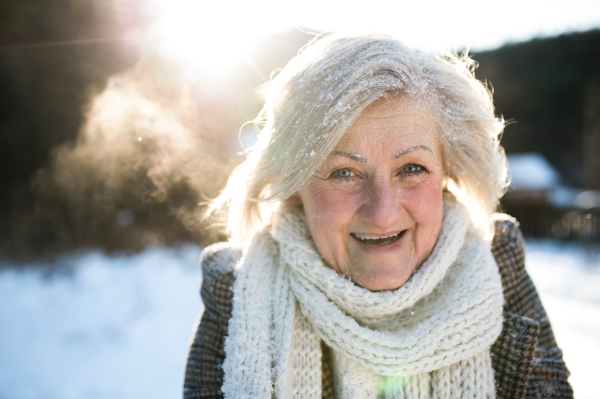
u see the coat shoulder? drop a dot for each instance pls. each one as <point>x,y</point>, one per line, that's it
<point>508,248</point>
<point>217,263</point>
<point>508,240</point>
<point>204,374</point>
<point>219,258</point>
<point>526,359</point>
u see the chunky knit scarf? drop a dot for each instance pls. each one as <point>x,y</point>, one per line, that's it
<point>429,338</point>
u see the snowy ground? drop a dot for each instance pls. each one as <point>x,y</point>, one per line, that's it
<point>118,326</point>
<point>567,277</point>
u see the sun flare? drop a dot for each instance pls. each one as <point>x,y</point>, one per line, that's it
<point>212,36</point>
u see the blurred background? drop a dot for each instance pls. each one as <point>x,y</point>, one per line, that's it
<point>120,119</point>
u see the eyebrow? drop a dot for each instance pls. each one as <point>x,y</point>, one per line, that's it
<point>411,149</point>
<point>355,157</point>
<point>360,158</point>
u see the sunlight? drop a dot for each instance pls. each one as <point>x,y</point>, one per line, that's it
<point>392,386</point>
<point>212,36</point>
<point>216,36</point>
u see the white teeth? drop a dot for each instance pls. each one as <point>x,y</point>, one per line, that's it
<point>362,237</point>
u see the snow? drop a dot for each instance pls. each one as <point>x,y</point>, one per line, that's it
<point>567,277</point>
<point>531,171</point>
<point>562,196</point>
<point>119,326</point>
<point>116,327</point>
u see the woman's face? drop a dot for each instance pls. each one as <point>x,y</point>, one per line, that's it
<point>375,206</point>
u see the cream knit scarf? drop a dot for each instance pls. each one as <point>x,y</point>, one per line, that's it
<point>429,338</point>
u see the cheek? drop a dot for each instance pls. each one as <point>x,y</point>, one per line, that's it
<point>424,203</point>
<point>327,208</point>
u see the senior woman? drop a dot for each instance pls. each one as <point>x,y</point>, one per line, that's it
<point>366,260</point>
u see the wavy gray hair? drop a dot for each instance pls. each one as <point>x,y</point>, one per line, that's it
<point>321,92</point>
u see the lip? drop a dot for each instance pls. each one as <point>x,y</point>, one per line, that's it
<point>380,235</point>
<point>378,250</point>
<point>394,238</point>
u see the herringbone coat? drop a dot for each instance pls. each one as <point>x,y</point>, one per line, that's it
<point>526,360</point>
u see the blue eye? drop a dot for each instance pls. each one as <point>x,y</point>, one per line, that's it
<point>413,168</point>
<point>344,173</point>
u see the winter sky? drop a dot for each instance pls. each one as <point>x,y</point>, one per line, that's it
<point>221,30</point>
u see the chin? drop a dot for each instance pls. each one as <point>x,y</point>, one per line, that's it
<point>382,279</point>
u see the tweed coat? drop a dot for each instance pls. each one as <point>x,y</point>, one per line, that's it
<point>526,360</point>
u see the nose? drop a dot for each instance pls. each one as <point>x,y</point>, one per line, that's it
<point>382,208</point>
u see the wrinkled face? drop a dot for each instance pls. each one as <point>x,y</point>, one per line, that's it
<point>375,206</point>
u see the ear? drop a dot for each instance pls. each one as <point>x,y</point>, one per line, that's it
<point>294,199</point>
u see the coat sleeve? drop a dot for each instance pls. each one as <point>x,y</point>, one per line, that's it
<point>204,372</point>
<point>528,362</point>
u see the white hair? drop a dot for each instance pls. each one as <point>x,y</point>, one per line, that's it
<point>321,92</point>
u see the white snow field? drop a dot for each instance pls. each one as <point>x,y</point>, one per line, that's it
<point>567,277</point>
<point>119,326</point>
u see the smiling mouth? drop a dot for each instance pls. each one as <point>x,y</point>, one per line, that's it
<point>377,240</point>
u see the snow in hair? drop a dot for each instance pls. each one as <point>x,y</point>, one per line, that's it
<point>321,92</point>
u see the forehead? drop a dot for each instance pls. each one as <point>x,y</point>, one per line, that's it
<point>398,120</point>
